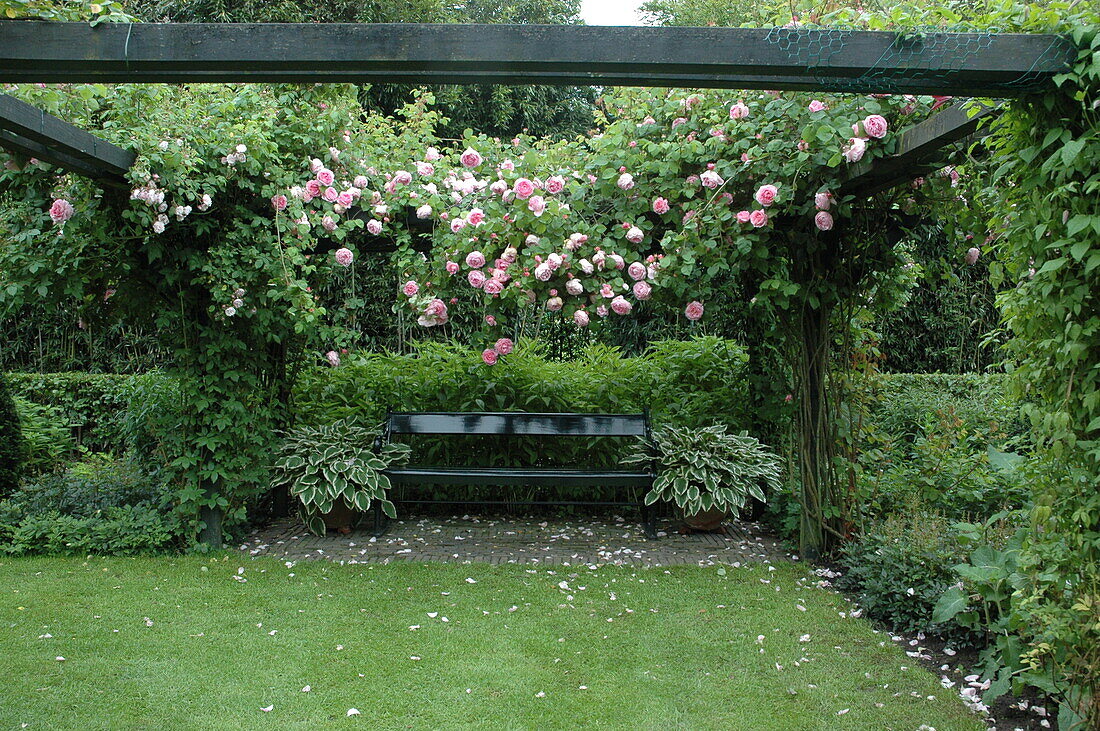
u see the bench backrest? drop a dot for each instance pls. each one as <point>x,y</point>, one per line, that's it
<point>518,423</point>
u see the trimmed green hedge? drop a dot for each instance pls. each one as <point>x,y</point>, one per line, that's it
<point>905,403</point>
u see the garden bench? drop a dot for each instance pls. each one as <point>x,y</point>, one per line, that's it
<point>506,424</point>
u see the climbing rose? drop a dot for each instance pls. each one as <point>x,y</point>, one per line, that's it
<point>402,177</point>
<point>621,306</point>
<point>586,266</point>
<point>765,194</point>
<point>452,267</point>
<point>523,188</point>
<point>853,151</point>
<point>574,287</point>
<point>509,254</point>
<point>739,111</point>
<point>554,304</point>
<point>457,225</point>
<point>476,278</point>
<point>345,199</point>
<point>325,176</point>
<point>374,226</point>
<point>555,184</point>
<point>617,260</point>
<point>475,217</point>
<point>432,154</point>
<point>424,168</point>
<point>758,218</point>
<point>313,188</point>
<point>581,318</point>
<point>424,211</point>
<point>61,211</point>
<point>817,106</point>
<point>823,201</point>
<point>823,220</point>
<point>602,310</point>
<point>537,205</point>
<point>278,202</point>
<point>493,287</point>
<point>411,288</point>
<point>328,223</point>
<point>504,346</point>
<point>642,290</point>
<point>711,179</point>
<point>344,256</point>
<point>489,356</point>
<point>634,235</point>
<point>331,194</point>
<point>626,181</point>
<point>743,216</point>
<point>361,181</point>
<point>543,273</point>
<point>972,255</point>
<point>694,311</point>
<point>636,271</point>
<point>471,158</point>
<point>475,260</point>
<point>875,126</point>
<point>333,358</point>
<point>660,205</point>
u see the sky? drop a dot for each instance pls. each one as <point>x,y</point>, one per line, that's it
<point>610,12</point>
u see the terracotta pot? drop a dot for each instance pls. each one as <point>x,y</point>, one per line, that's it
<point>341,518</point>
<point>706,520</point>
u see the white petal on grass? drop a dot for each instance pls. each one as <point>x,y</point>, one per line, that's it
<point>306,689</point>
<point>470,581</point>
<point>354,712</point>
<point>268,709</point>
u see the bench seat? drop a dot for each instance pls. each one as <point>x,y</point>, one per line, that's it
<point>534,476</point>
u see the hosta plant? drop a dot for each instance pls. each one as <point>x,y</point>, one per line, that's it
<point>703,468</point>
<point>325,465</point>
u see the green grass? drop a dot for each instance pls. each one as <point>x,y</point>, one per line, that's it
<point>687,656</point>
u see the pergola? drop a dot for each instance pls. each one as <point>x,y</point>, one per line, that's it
<point>957,64</point>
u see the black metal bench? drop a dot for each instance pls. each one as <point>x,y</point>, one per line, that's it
<point>521,424</point>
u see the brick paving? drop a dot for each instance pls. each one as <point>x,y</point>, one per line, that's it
<point>508,540</point>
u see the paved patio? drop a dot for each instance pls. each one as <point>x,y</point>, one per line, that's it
<point>508,540</point>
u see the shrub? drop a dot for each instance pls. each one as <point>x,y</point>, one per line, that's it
<point>903,403</point>
<point>47,442</point>
<point>11,442</point>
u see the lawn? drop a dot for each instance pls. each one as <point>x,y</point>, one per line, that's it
<point>202,642</point>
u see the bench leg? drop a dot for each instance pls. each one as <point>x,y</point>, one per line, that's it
<point>647,522</point>
<point>379,526</point>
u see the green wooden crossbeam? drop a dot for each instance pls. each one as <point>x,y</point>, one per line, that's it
<point>971,64</point>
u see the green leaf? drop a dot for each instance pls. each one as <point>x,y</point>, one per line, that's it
<point>950,603</point>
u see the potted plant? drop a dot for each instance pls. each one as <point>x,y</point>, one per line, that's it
<point>707,472</point>
<point>335,473</point>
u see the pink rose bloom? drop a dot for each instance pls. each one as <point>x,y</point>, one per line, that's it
<point>476,278</point>
<point>743,216</point>
<point>555,185</point>
<point>499,187</point>
<point>432,154</point>
<point>452,267</point>
<point>374,226</point>
<point>424,211</point>
<point>489,356</point>
<point>694,311</point>
<point>875,126</point>
<point>361,181</point>
<point>574,287</point>
<point>471,158</point>
<point>617,260</point>
<point>586,266</point>
<point>344,257</point>
<point>313,188</point>
<point>402,177</point>
<point>660,206</point>
<point>711,179</point>
<point>598,259</point>
<point>493,287</point>
<point>61,211</point>
<point>818,106</point>
<point>642,290</point>
<point>554,304</point>
<point>554,261</point>
<point>824,221</point>
<point>758,218</point>
<point>325,176</point>
<point>621,306</point>
<point>328,223</point>
<point>606,292</point>
<point>625,181</point>
<point>475,217</point>
<point>678,121</point>
<point>537,205</point>
<point>279,202</point>
<point>424,168</point>
<point>823,201</point>
<point>333,358</point>
<point>803,145</point>
<point>509,255</point>
<point>853,151</point>
<point>634,235</point>
<point>508,165</point>
<point>972,255</point>
<point>636,271</point>
<point>581,318</point>
<point>345,199</point>
<point>602,310</point>
<point>475,260</point>
<point>523,188</point>
<point>543,273</point>
<point>739,111</point>
<point>331,194</point>
<point>765,195</point>
<point>504,346</point>
<point>411,288</point>
<point>457,225</point>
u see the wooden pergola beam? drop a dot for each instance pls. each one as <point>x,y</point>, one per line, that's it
<point>974,64</point>
<point>29,131</point>
<point>921,148</point>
